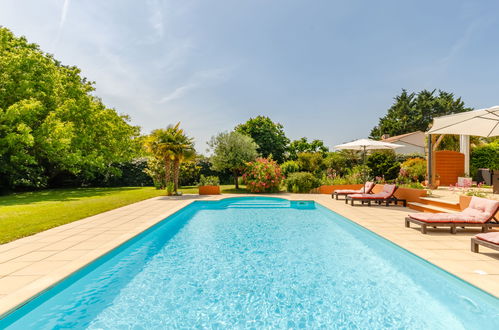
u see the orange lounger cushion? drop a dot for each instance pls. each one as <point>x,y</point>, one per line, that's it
<point>445,217</point>
<point>492,237</point>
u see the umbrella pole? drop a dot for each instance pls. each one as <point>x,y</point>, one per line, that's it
<point>364,167</point>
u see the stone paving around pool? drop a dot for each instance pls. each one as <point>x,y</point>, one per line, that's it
<point>32,264</point>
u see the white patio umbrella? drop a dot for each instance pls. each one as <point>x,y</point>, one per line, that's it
<point>367,144</point>
<point>483,122</point>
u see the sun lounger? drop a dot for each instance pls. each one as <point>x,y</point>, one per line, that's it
<point>368,187</point>
<point>490,240</point>
<point>480,213</point>
<point>386,196</point>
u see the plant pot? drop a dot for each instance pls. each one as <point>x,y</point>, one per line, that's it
<point>209,190</point>
<point>464,181</point>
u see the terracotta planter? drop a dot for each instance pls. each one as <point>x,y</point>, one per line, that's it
<point>209,190</point>
<point>464,201</point>
<point>410,194</point>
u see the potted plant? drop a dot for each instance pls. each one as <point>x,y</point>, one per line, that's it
<point>209,185</point>
<point>464,181</point>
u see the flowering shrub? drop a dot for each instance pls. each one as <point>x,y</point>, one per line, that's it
<point>413,169</point>
<point>262,175</point>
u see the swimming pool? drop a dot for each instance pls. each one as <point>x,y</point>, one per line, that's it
<point>256,262</point>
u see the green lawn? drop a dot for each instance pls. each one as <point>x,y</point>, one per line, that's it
<point>25,214</point>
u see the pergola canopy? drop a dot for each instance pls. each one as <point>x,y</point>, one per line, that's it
<point>483,122</point>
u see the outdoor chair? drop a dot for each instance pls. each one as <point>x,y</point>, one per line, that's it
<point>480,213</point>
<point>490,240</point>
<point>386,197</point>
<point>367,189</point>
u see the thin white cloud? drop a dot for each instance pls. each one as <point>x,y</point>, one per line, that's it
<point>459,44</point>
<point>177,93</point>
<point>200,79</point>
<point>156,18</point>
<point>62,20</point>
<point>64,13</point>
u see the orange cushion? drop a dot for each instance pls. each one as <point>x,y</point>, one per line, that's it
<point>446,217</point>
<point>492,237</point>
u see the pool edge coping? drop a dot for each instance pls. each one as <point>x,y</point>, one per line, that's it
<point>24,295</point>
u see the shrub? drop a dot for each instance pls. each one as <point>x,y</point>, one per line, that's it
<point>341,161</point>
<point>208,180</point>
<point>312,162</point>
<point>485,156</point>
<point>289,167</point>
<point>357,174</point>
<point>384,164</point>
<point>414,169</point>
<point>413,185</point>
<point>189,173</point>
<point>262,175</point>
<point>301,182</point>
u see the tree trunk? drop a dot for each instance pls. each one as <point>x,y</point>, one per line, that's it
<point>176,172</point>
<point>168,166</point>
<point>236,181</point>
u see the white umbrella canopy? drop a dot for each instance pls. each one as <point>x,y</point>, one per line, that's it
<point>483,122</point>
<point>367,144</point>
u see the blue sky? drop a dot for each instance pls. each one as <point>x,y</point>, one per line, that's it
<point>324,69</point>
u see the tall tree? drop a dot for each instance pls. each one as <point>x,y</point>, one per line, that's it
<point>302,145</point>
<point>50,123</point>
<point>231,152</point>
<point>269,136</point>
<point>171,146</point>
<point>415,112</point>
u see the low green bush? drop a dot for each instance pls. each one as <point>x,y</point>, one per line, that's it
<point>485,156</point>
<point>289,167</point>
<point>210,180</point>
<point>301,182</point>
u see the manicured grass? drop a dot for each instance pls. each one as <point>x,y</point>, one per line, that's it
<point>28,213</point>
<point>25,214</point>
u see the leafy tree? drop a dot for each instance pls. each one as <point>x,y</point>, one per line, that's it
<point>51,124</point>
<point>302,145</point>
<point>231,151</point>
<point>383,164</point>
<point>269,137</point>
<point>172,146</point>
<point>312,162</point>
<point>415,112</point>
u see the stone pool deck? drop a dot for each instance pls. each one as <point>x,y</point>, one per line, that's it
<point>32,264</point>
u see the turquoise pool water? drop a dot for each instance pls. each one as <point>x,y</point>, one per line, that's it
<point>259,263</point>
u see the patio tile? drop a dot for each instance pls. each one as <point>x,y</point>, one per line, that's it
<point>7,268</point>
<point>9,284</point>
<point>35,256</point>
<point>43,267</point>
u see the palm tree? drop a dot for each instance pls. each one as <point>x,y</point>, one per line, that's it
<point>184,151</point>
<point>172,146</point>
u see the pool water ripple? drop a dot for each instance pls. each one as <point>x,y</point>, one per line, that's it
<point>263,267</point>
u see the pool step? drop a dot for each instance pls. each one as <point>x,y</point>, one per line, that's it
<point>430,208</point>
